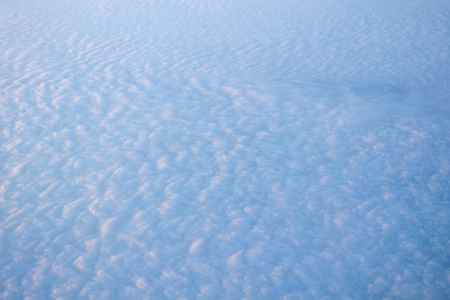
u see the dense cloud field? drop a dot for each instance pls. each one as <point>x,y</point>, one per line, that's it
<point>224,149</point>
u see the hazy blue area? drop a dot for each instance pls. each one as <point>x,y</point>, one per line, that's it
<point>224,149</point>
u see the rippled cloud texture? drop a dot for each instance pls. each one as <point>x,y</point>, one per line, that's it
<point>224,149</point>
